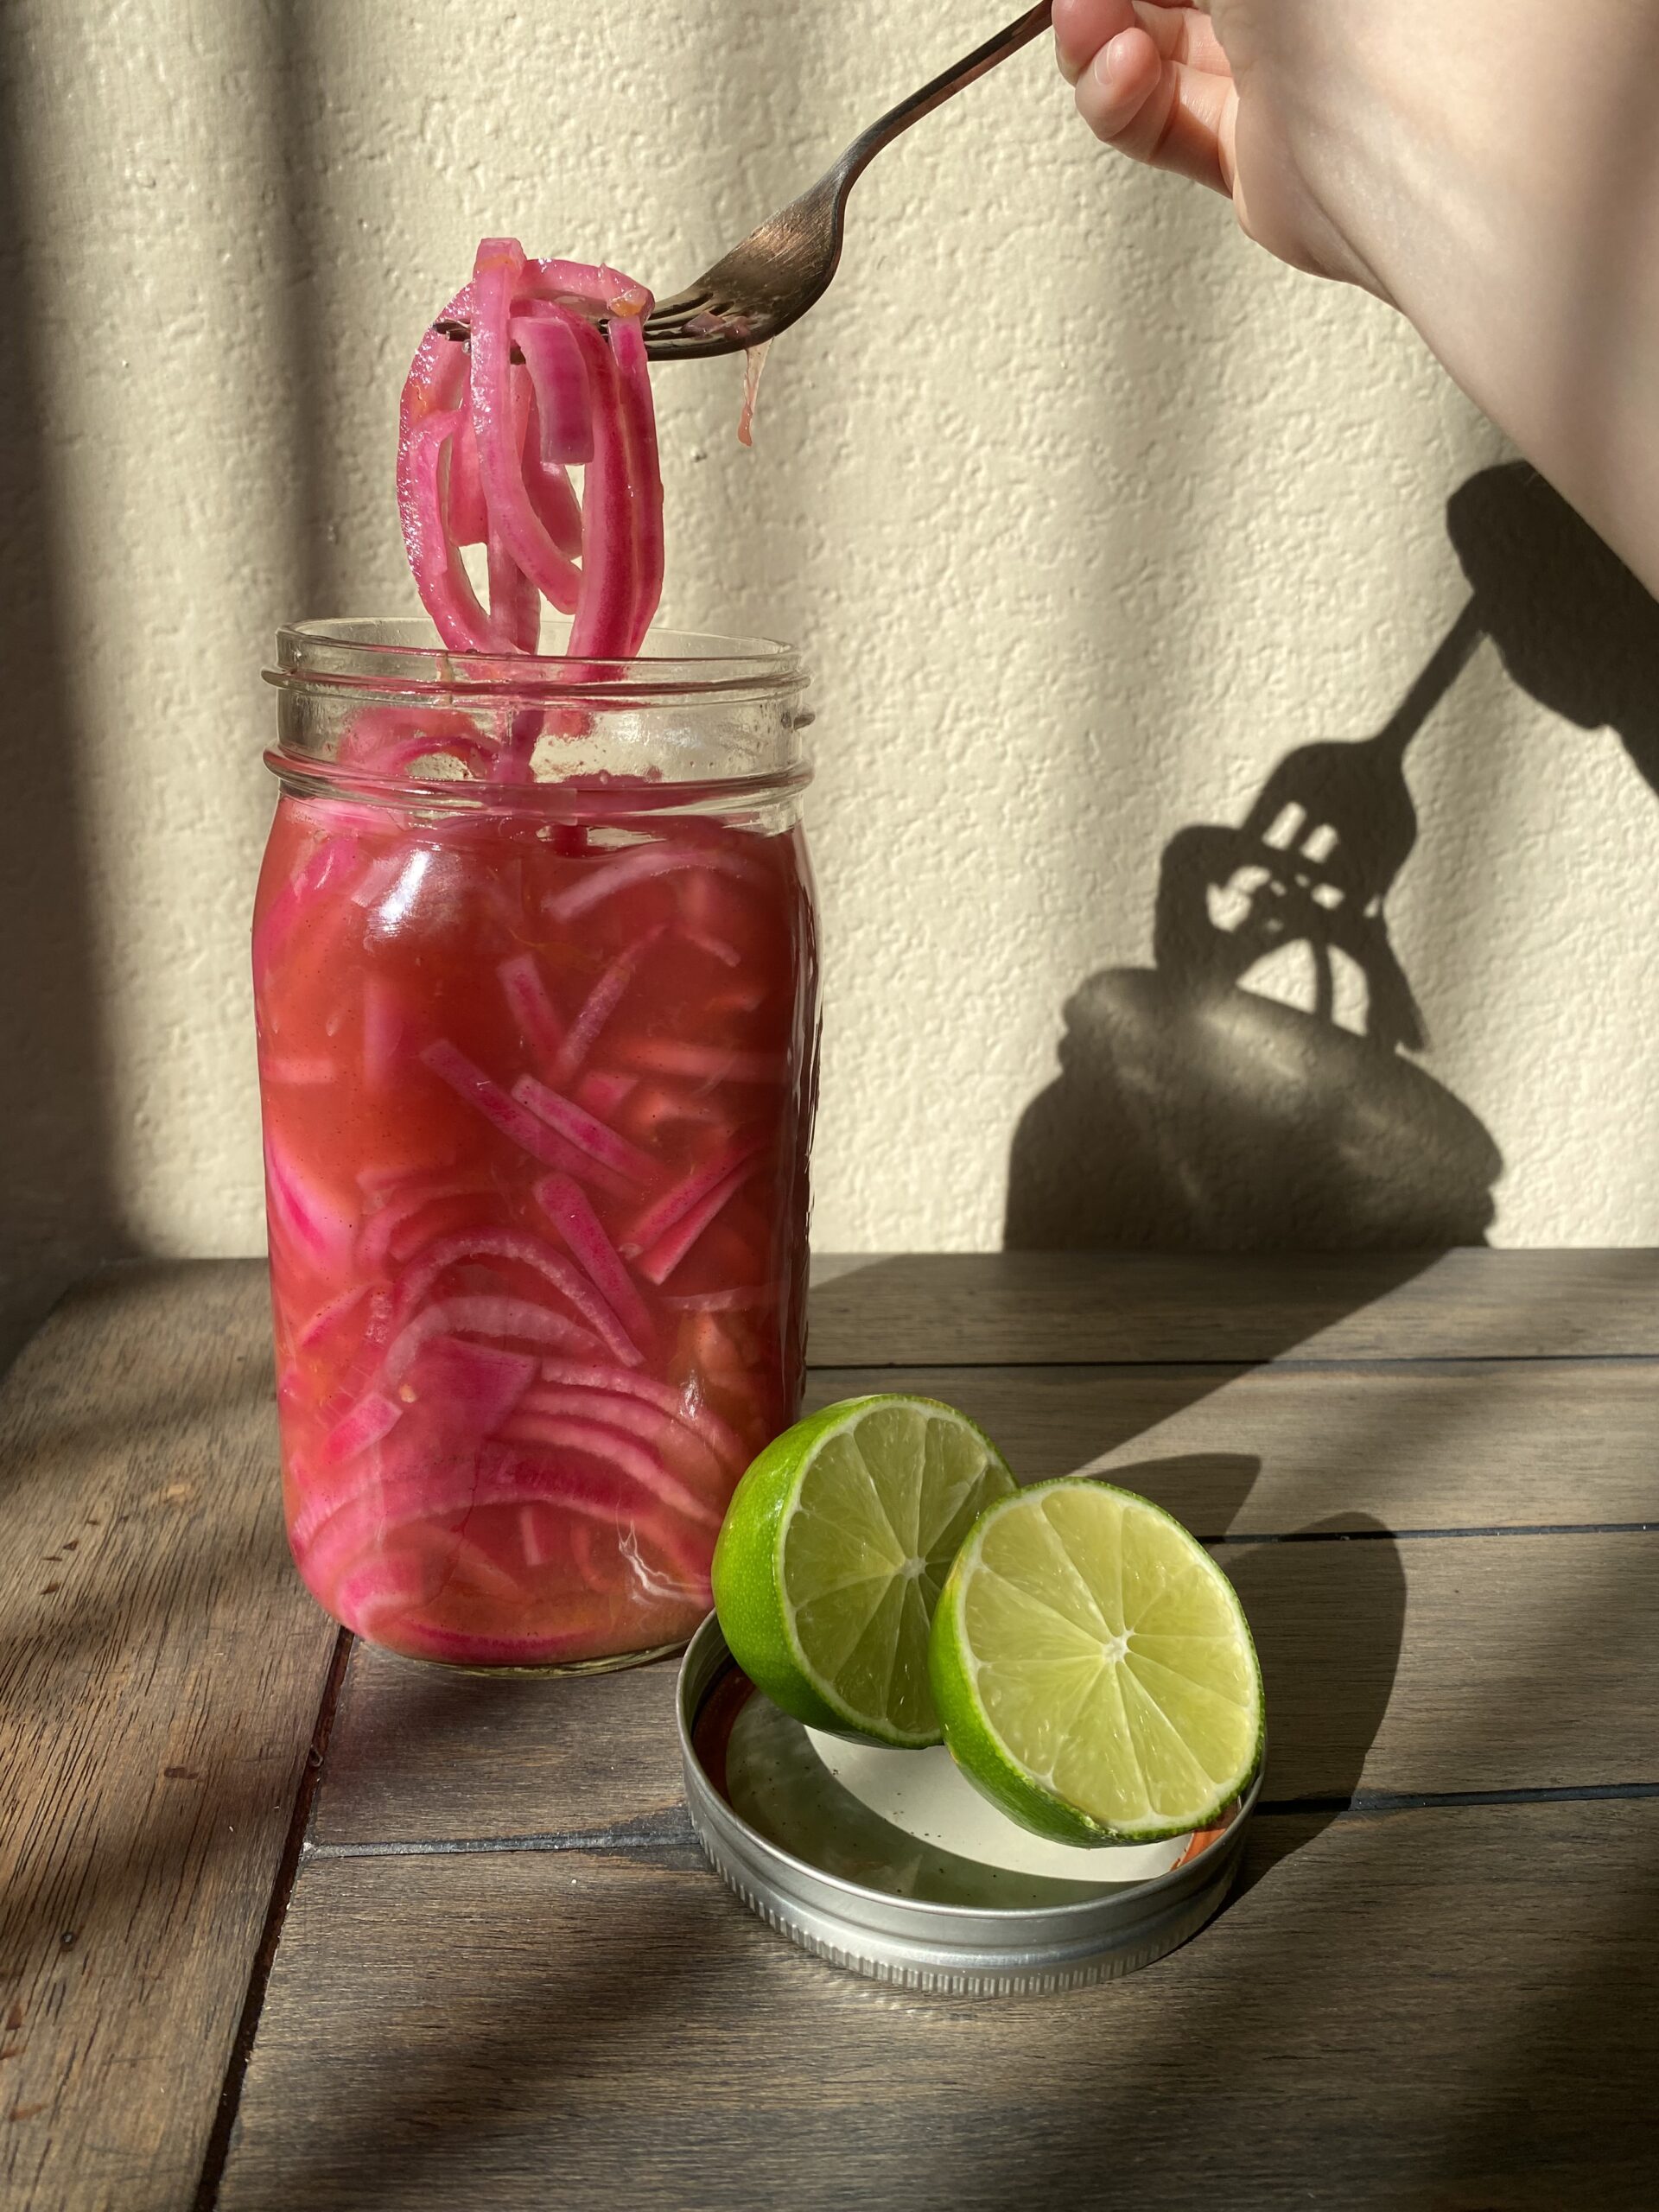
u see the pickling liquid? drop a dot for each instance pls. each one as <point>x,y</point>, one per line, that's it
<point>538,1099</point>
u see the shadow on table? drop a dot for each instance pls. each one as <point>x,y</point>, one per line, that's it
<point>418,1750</point>
<point>1329,1656</point>
<point>436,2119</point>
<point>173,1443</point>
<point>1326,1605</point>
<point>1203,1489</point>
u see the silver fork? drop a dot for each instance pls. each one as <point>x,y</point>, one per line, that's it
<point>784,267</point>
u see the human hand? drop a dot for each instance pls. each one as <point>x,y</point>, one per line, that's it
<point>1213,89</point>
<point>1489,168</point>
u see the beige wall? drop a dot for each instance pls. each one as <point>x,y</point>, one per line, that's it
<point>1087,514</point>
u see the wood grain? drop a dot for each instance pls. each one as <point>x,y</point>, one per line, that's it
<point>1451,2008</point>
<point>1003,1308</point>
<point>161,1671</point>
<point>1267,1450</point>
<point>420,1751</point>
<point>1444,1666</point>
<point>1427,1666</point>
<point>1433,2009</point>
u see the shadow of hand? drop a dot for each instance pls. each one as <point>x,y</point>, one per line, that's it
<point>1575,628</point>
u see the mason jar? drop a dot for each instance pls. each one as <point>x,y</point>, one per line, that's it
<point>534,964</point>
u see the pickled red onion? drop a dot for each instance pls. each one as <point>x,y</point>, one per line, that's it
<point>600,1003</point>
<point>676,1204</point>
<point>564,1202</point>
<point>527,1251</point>
<point>533,1008</point>
<point>658,1263</point>
<point>634,866</point>
<point>367,1423</point>
<point>514,1320</point>
<point>499,431</point>
<point>513,1118</point>
<point>683,1404</point>
<point>615,1409</point>
<point>484,444</point>
<point>582,1129</point>
<point>564,408</point>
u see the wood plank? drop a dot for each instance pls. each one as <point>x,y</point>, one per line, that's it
<point>1427,1666</point>
<point>1267,1450</point>
<point>996,1308</point>
<point>1438,2009</point>
<point>425,1752</point>
<point>160,1671</point>
<point>1005,1308</point>
<point>1454,1665</point>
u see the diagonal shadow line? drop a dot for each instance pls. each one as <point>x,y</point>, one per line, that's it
<point>297,99</point>
<point>1525,2064</point>
<point>58,1208</point>
<point>480,2052</point>
<point>502,2056</point>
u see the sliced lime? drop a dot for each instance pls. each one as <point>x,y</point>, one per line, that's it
<point>1093,1669</point>
<point>833,1555</point>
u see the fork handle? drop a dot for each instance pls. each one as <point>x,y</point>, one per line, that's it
<point>882,132</point>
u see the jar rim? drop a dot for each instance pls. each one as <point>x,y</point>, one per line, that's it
<point>398,656</point>
<point>584,798</point>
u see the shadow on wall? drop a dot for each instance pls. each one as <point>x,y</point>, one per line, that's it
<point>58,1210</point>
<point>1190,1111</point>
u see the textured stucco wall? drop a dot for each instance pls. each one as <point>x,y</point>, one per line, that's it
<point>1087,513</point>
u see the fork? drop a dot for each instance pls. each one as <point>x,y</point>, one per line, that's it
<point>784,267</point>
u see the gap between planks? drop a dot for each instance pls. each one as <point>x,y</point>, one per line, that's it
<point>288,1871</point>
<point>1269,1362</point>
<point>670,1839</point>
<point>1434,1536</point>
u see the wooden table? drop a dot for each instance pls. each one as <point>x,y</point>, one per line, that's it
<point>291,1927</point>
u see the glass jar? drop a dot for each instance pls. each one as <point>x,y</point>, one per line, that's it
<point>534,964</point>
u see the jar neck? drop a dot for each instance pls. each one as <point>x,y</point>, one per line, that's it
<point>372,711</point>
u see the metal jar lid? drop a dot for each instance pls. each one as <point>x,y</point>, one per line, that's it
<point>972,1946</point>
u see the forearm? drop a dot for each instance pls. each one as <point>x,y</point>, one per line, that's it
<point>1493,168</point>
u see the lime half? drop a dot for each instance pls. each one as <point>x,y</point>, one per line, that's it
<point>1094,1669</point>
<point>833,1555</point>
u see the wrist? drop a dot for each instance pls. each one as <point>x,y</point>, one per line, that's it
<point>1492,170</point>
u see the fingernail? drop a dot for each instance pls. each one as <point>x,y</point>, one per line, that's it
<point>1113,64</point>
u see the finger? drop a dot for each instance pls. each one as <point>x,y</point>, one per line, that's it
<point>1120,94</point>
<point>1083,27</point>
<point>1166,113</point>
<point>1182,34</point>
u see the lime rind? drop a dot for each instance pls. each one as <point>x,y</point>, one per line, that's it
<point>857,1510</point>
<point>748,1571</point>
<point>1104,1762</point>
